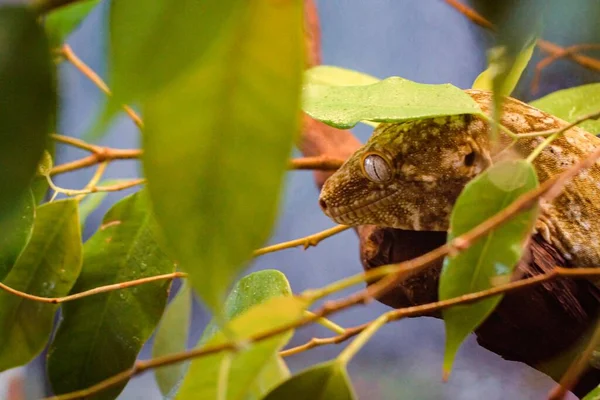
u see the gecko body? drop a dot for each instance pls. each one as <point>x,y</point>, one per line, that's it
<point>408,175</point>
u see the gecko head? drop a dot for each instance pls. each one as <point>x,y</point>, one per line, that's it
<point>408,175</point>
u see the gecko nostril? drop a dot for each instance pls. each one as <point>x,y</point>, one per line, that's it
<point>323,204</point>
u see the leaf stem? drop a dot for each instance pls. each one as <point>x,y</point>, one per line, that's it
<point>70,56</point>
<point>327,323</point>
<point>94,189</point>
<point>97,290</point>
<point>322,163</point>
<point>223,379</point>
<point>557,133</point>
<point>306,242</point>
<point>346,355</point>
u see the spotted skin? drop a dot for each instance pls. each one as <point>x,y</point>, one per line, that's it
<point>432,160</point>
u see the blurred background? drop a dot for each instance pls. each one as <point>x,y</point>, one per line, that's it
<point>424,41</point>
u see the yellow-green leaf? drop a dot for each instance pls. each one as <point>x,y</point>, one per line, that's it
<point>48,267</point>
<point>217,140</point>
<point>321,382</point>
<point>511,75</point>
<point>490,260</point>
<point>202,379</point>
<point>101,335</point>
<point>390,100</point>
<point>27,102</point>
<point>63,21</point>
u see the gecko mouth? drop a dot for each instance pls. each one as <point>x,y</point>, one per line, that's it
<point>355,213</point>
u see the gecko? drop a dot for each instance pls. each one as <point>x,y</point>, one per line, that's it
<point>408,175</point>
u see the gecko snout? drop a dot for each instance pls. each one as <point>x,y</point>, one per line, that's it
<point>323,205</point>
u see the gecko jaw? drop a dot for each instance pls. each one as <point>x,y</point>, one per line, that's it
<point>352,214</point>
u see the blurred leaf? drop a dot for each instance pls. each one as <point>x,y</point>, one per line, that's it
<point>273,373</point>
<point>93,200</point>
<point>571,104</point>
<point>63,21</point>
<point>16,231</point>
<point>249,291</point>
<point>336,76</point>
<point>48,267</point>
<point>27,102</point>
<point>112,326</point>
<point>512,74</point>
<point>593,395</point>
<point>248,365</point>
<point>217,141</point>
<point>142,62</point>
<point>320,382</point>
<point>391,100</point>
<point>490,260</point>
<point>171,337</point>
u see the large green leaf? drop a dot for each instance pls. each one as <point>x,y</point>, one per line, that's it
<point>93,200</point>
<point>390,100</point>
<point>490,260</point>
<point>27,102</point>
<point>217,141</point>
<point>320,382</point>
<point>101,335</point>
<point>571,104</point>
<point>171,337</point>
<point>48,267</point>
<point>257,368</point>
<point>63,21</point>
<point>152,48</point>
<point>336,76</point>
<point>16,230</point>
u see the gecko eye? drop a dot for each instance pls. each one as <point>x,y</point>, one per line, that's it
<point>376,168</point>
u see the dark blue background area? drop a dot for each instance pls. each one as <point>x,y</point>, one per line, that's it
<point>424,41</point>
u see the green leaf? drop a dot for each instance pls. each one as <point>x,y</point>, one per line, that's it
<point>101,335</point>
<point>171,337</point>
<point>249,291</point>
<point>217,142</point>
<point>63,21</point>
<point>324,381</point>
<point>490,260</point>
<point>251,368</point>
<point>273,373</point>
<point>390,100</point>
<point>27,102</point>
<point>571,104</point>
<point>593,395</point>
<point>510,74</point>
<point>47,267</point>
<point>93,200</point>
<point>17,229</point>
<point>336,76</point>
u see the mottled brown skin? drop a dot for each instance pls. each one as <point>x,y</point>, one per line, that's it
<point>432,161</point>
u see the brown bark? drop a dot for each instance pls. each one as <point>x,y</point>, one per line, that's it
<point>532,325</point>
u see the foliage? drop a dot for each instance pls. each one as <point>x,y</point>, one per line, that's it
<point>221,88</point>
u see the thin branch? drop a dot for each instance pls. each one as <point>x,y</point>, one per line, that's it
<point>100,155</point>
<point>170,359</point>
<point>94,189</point>
<point>552,48</point>
<point>568,51</point>
<point>400,313</point>
<point>80,144</point>
<point>471,14</point>
<point>69,55</point>
<point>98,290</point>
<point>575,370</point>
<point>320,163</point>
<point>306,242</point>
